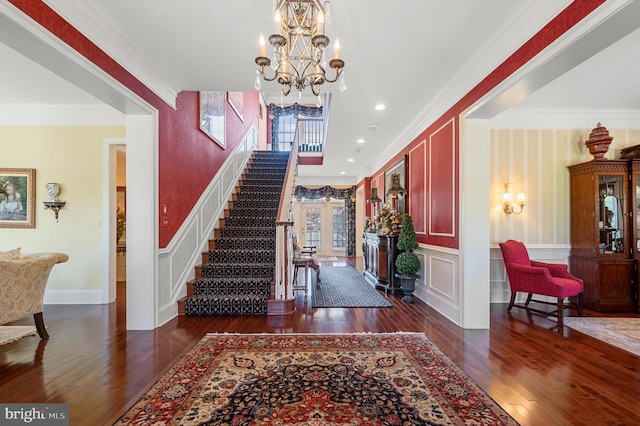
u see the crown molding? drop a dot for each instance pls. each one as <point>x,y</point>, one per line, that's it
<point>98,26</point>
<point>564,118</point>
<point>60,115</point>
<point>523,24</point>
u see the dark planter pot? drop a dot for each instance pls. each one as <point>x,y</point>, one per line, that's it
<point>408,286</point>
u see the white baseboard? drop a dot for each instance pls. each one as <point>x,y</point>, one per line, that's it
<point>73,297</point>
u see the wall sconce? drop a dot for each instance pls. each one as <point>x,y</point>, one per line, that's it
<point>507,206</point>
<point>374,200</point>
<point>53,189</point>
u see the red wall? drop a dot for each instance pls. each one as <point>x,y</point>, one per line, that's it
<point>433,155</point>
<point>188,159</point>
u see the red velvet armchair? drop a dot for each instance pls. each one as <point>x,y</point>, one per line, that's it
<point>546,279</point>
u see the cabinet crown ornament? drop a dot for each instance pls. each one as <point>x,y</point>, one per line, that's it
<point>598,142</point>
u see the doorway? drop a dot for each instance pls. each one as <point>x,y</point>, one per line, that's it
<point>322,224</point>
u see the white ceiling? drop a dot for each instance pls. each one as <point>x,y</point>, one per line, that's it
<point>416,56</point>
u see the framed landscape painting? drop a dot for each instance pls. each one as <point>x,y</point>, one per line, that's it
<point>212,115</point>
<point>17,198</point>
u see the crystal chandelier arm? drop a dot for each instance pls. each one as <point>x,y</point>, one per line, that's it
<point>338,65</point>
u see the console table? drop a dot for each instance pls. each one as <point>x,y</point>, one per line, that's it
<point>380,252</point>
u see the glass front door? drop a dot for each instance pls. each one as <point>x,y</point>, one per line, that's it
<point>323,225</point>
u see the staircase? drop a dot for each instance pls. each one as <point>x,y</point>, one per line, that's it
<point>236,274</point>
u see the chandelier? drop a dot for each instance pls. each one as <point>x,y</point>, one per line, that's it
<point>299,48</point>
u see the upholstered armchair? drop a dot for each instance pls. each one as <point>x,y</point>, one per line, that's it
<point>22,284</point>
<point>545,279</point>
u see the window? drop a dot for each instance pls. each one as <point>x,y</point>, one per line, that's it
<point>286,131</point>
<point>339,218</point>
<point>314,226</point>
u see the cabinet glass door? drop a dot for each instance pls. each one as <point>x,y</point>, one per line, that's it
<point>635,208</point>
<point>611,219</point>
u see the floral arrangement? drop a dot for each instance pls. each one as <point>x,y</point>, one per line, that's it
<point>385,220</point>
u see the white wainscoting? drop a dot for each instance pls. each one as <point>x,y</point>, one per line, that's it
<point>500,292</point>
<point>176,263</point>
<point>439,282</point>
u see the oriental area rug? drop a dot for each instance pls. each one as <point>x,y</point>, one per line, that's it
<point>315,379</point>
<point>621,332</point>
<point>344,287</point>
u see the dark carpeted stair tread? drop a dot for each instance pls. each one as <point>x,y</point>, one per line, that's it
<point>213,304</point>
<point>220,270</point>
<point>242,256</point>
<point>232,286</point>
<point>247,243</point>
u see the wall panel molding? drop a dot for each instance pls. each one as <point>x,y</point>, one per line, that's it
<point>417,187</point>
<point>442,154</point>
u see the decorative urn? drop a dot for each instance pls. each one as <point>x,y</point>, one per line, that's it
<point>53,189</point>
<point>598,142</point>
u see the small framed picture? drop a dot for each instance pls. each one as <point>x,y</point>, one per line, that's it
<point>212,116</point>
<point>17,198</point>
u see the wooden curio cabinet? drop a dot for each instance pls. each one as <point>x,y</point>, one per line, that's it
<point>604,232</point>
<point>380,253</point>
<point>635,225</point>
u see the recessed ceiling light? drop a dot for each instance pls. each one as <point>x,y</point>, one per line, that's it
<point>380,107</point>
<point>350,160</point>
<point>343,173</point>
<point>360,141</point>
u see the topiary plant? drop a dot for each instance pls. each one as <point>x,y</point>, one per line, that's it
<point>407,262</point>
<point>407,238</point>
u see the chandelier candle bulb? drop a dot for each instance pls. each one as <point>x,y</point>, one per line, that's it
<point>263,46</point>
<point>278,20</point>
<point>336,49</point>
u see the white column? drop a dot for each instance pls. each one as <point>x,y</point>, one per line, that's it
<point>142,222</point>
<point>474,223</point>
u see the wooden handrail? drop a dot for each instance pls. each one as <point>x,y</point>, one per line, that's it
<point>283,288</point>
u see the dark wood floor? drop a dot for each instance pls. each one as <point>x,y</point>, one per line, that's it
<point>541,375</point>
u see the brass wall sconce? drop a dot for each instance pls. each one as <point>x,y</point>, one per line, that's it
<point>53,189</point>
<point>509,207</point>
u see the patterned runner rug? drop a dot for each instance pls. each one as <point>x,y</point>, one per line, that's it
<point>621,332</point>
<point>11,333</point>
<point>344,287</point>
<point>309,379</point>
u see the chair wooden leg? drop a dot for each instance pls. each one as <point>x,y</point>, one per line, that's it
<point>560,311</point>
<point>42,330</point>
<point>579,303</point>
<point>529,296</point>
<point>512,301</point>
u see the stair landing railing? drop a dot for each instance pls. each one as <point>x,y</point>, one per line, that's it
<point>310,134</point>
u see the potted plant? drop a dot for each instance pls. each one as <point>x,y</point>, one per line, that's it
<point>407,262</point>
